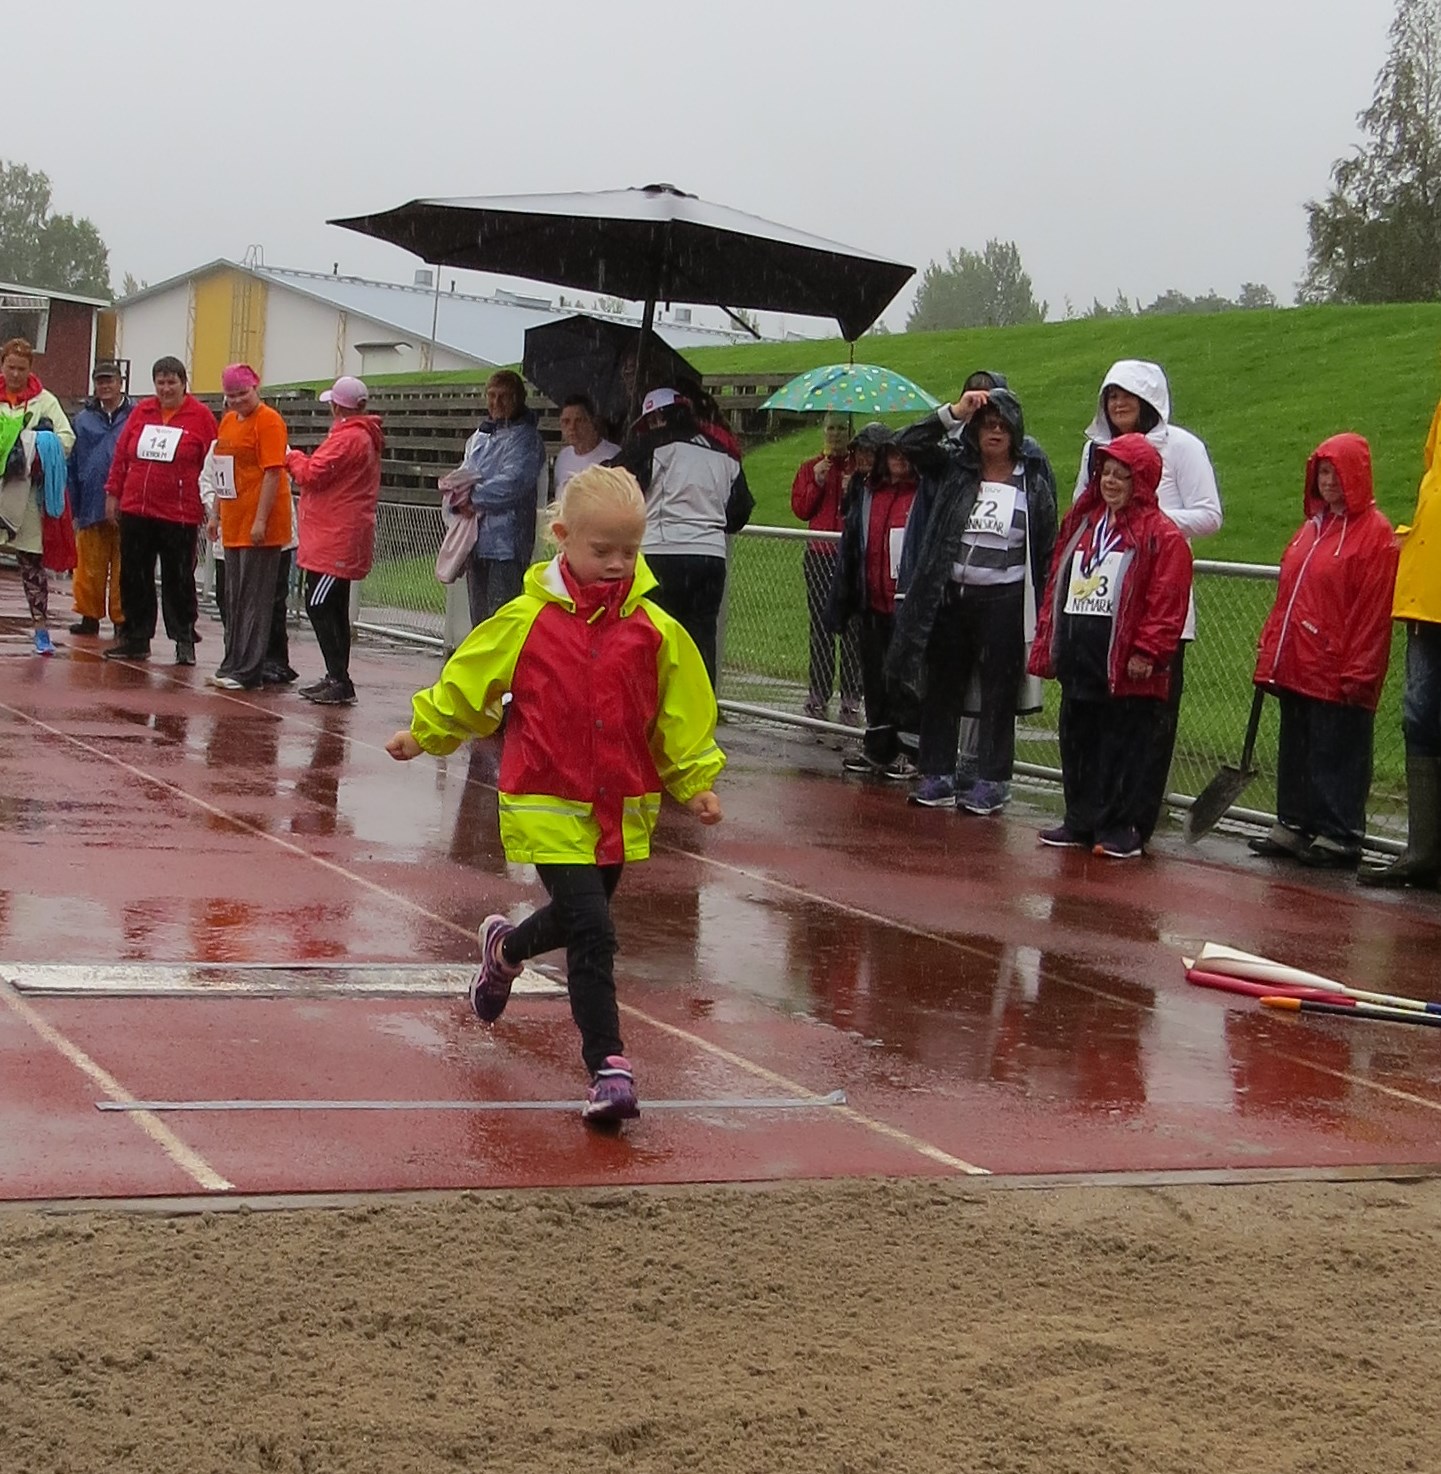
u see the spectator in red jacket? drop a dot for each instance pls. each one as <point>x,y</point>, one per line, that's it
<point>339,488</point>
<point>1107,629</point>
<point>864,595</point>
<point>816,494</point>
<point>1324,650</point>
<point>154,490</point>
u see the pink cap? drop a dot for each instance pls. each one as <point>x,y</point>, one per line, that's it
<point>239,377</point>
<point>347,392</point>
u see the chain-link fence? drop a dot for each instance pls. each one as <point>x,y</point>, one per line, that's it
<point>766,664</point>
<point>401,593</point>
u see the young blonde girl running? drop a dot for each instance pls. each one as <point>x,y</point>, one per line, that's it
<point>610,703</point>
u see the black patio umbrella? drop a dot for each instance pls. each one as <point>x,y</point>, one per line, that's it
<point>600,357</point>
<point>656,244</point>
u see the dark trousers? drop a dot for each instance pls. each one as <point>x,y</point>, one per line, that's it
<point>691,590</point>
<point>491,583</point>
<point>277,649</point>
<point>327,602</point>
<point>578,919</point>
<point>819,567</point>
<point>250,581</point>
<point>219,591</point>
<point>143,540</point>
<point>1156,762</point>
<point>882,741</point>
<point>1103,764</point>
<point>1421,702</point>
<point>979,630</point>
<point>1323,768</point>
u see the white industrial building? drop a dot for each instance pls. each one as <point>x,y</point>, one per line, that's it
<point>296,326</point>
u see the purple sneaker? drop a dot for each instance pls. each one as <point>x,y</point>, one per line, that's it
<point>490,989</point>
<point>611,1096</point>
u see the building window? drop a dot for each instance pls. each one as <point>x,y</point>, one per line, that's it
<point>23,316</point>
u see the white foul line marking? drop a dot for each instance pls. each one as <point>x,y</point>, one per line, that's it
<point>750,1067</point>
<point>190,1162</point>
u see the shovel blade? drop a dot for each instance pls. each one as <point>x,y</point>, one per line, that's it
<point>1215,798</point>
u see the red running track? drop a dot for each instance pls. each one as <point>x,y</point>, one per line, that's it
<point>986,1004</point>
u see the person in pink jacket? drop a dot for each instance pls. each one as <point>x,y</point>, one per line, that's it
<point>339,488</point>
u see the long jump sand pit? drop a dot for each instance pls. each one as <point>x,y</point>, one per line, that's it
<point>911,1326</point>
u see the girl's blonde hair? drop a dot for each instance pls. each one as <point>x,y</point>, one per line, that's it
<point>606,489</point>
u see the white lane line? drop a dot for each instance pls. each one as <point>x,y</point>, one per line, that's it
<point>880,1128</point>
<point>719,1103</point>
<point>845,909</point>
<point>189,1161</point>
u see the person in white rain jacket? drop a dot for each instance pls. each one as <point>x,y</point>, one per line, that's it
<point>1135,398</point>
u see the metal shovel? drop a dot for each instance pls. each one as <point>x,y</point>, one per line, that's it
<point>1229,783</point>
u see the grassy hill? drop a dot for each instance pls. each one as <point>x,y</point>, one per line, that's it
<point>1261,388</point>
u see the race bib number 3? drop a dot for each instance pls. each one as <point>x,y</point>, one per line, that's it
<point>1093,592</point>
<point>158,443</point>
<point>994,511</point>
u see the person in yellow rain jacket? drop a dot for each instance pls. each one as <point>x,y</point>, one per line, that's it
<point>610,704</point>
<point>1417,600</point>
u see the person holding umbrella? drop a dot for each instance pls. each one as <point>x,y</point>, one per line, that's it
<point>1324,650</point>
<point>582,444</point>
<point>816,495</point>
<point>695,496</point>
<point>863,594</point>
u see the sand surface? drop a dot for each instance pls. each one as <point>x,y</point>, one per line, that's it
<point>892,1327</point>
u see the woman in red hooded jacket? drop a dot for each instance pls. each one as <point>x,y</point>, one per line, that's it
<point>1107,629</point>
<point>1324,650</point>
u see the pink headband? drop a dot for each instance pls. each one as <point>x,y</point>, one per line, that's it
<point>239,377</point>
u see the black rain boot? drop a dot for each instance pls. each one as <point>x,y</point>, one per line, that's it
<point>1421,863</point>
<point>85,626</point>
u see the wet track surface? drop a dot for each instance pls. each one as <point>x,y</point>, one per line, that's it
<point>986,1004</point>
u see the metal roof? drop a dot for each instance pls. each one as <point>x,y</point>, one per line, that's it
<point>489,330</point>
<point>22,290</point>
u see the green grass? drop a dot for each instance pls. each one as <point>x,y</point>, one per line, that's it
<point>1261,388</point>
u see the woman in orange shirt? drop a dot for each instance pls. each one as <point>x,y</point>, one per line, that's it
<point>254,509</point>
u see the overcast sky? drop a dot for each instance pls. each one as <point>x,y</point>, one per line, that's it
<point>1129,145</point>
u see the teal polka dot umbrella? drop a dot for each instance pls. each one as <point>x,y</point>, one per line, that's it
<point>852,389</point>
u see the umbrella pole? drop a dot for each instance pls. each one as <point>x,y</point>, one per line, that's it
<point>642,356</point>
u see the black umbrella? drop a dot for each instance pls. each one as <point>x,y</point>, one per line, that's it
<point>655,244</point>
<point>594,356</point>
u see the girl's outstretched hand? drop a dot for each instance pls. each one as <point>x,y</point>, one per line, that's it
<point>402,747</point>
<point>706,807</point>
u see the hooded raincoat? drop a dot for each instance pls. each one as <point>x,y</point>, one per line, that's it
<point>610,703</point>
<point>1328,635</point>
<point>1418,576</point>
<point>1187,492</point>
<point>339,488</point>
<point>948,460</point>
<point>1151,586</point>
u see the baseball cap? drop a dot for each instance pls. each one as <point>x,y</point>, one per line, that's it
<point>347,392</point>
<point>658,399</point>
<point>107,367</point>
